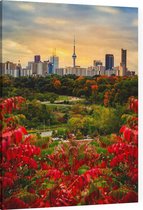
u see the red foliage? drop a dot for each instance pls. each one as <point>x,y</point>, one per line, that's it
<point>8,105</point>
<point>14,203</point>
<point>126,150</point>
<point>129,197</point>
<point>94,87</point>
<point>71,175</point>
<point>106,98</point>
<point>17,154</point>
<point>56,83</point>
<point>133,104</point>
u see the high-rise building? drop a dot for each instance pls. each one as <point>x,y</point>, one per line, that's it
<point>124,58</point>
<point>45,68</point>
<point>18,69</point>
<point>40,68</point>
<point>37,58</point>
<point>74,55</point>
<point>9,67</point>
<point>50,68</point>
<point>30,64</point>
<point>124,62</point>
<point>34,68</point>
<point>97,63</point>
<point>55,61</point>
<point>109,61</point>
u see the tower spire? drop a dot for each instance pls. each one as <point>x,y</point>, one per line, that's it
<point>74,54</point>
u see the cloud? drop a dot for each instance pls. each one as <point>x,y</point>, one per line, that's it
<point>50,21</point>
<point>12,50</point>
<point>38,28</point>
<point>26,7</point>
<point>109,10</point>
<point>135,22</point>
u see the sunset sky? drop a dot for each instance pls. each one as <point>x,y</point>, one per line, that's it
<point>39,28</point>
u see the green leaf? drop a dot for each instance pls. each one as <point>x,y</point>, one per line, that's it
<point>47,151</point>
<point>83,169</point>
<point>95,143</point>
<point>101,150</point>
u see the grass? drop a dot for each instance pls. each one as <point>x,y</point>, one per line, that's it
<point>63,98</point>
<point>47,128</point>
<point>53,105</point>
<point>67,98</point>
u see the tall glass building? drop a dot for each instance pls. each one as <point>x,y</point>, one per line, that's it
<point>124,58</point>
<point>55,61</point>
<point>109,61</point>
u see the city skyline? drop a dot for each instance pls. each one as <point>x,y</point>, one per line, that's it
<point>99,30</point>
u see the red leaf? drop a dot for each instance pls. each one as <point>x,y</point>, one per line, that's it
<point>4,146</point>
<point>15,203</point>
<point>129,197</point>
<point>17,136</point>
<point>122,129</point>
<point>127,134</point>
<point>23,130</point>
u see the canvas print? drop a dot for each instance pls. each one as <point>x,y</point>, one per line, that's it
<point>69,105</point>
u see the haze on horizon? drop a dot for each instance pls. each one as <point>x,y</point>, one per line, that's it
<point>38,28</point>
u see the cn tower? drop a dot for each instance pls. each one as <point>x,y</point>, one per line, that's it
<point>74,55</point>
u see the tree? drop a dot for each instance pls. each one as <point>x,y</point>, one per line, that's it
<point>88,125</point>
<point>75,124</point>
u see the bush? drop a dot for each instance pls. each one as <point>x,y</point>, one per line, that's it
<point>67,174</point>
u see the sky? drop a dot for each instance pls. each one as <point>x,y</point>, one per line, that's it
<point>38,28</point>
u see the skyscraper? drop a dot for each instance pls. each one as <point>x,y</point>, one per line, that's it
<point>37,58</point>
<point>74,55</point>
<point>124,58</point>
<point>18,68</point>
<point>123,64</point>
<point>109,61</point>
<point>50,68</point>
<point>55,61</point>
<point>40,68</point>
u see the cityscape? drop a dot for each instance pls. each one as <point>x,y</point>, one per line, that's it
<point>52,66</point>
<point>49,29</point>
<point>69,106</point>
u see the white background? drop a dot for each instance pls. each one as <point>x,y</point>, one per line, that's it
<point>127,3</point>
